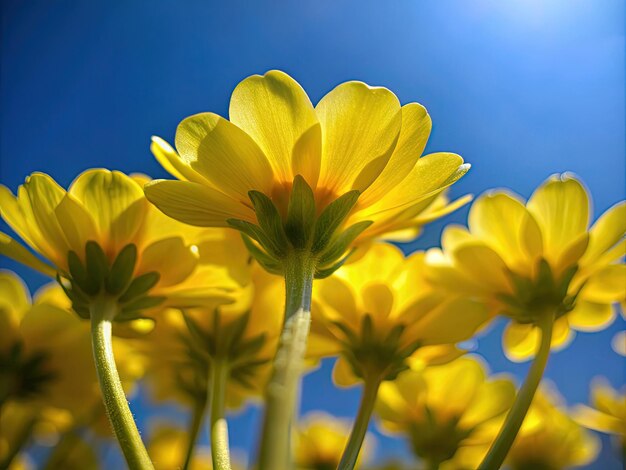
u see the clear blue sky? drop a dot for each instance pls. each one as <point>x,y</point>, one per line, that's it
<point>520,88</point>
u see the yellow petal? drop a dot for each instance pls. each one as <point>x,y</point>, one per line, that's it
<point>596,420</point>
<point>224,155</point>
<point>171,161</point>
<point>116,202</point>
<point>591,316</point>
<point>562,334</point>
<point>195,204</point>
<point>618,343</point>
<point>608,285</point>
<point>12,249</point>
<point>520,341</point>
<point>561,207</point>
<point>77,224</point>
<point>276,112</point>
<point>493,399</point>
<point>378,301</point>
<point>343,375</point>
<point>451,322</point>
<point>14,302</point>
<point>430,175</point>
<point>360,128</point>
<point>606,232</point>
<point>483,264</point>
<point>339,296</point>
<point>416,125</point>
<point>171,258</point>
<point>45,195</point>
<point>14,216</point>
<point>499,219</point>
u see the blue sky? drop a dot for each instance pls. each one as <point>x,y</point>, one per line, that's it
<point>521,88</point>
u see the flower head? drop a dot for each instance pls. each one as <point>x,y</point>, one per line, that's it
<point>380,315</point>
<point>102,237</point>
<point>450,413</point>
<point>319,441</point>
<point>185,344</point>
<point>550,439</point>
<point>525,260</point>
<point>293,176</point>
<point>46,356</point>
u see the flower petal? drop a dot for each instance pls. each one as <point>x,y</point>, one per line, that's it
<point>343,375</point>
<point>117,203</point>
<point>481,263</point>
<point>608,230</point>
<point>12,249</point>
<point>276,112</point>
<point>195,204</point>
<point>591,316</point>
<point>171,161</point>
<point>360,128</point>
<point>561,207</point>
<point>608,285</point>
<point>416,125</point>
<point>224,155</point>
<point>171,258</point>
<point>520,341</point>
<point>493,399</point>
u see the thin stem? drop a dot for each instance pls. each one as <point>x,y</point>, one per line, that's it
<point>22,439</point>
<point>103,310</point>
<point>359,428</point>
<point>282,390</point>
<point>501,446</point>
<point>194,428</point>
<point>219,427</point>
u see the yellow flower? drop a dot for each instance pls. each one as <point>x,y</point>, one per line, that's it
<point>524,260</point>
<point>183,344</point>
<point>449,413</point>
<point>380,315</point>
<point>167,447</point>
<point>46,362</point>
<point>302,172</point>
<point>319,441</point>
<point>607,413</point>
<point>102,235</point>
<point>550,439</point>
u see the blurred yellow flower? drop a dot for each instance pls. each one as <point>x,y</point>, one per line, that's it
<point>380,315</point>
<point>46,363</point>
<point>282,163</point>
<point>184,343</point>
<point>449,413</point>
<point>529,260</point>
<point>102,235</point>
<point>319,440</point>
<point>167,447</point>
<point>607,413</point>
<point>550,439</point>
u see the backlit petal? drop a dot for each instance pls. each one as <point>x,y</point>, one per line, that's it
<point>277,113</point>
<point>360,128</point>
<point>591,316</point>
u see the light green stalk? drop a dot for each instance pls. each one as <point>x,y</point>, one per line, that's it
<point>219,427</point>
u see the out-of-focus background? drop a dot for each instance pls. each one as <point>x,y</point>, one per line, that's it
<point>521,88</point>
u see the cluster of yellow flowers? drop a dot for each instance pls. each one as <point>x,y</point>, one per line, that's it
<point>269,252</point>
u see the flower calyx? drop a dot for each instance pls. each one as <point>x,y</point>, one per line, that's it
<point>302,228</point>
<point>545,293</point>
<point>436,439</point>
<point>371,354</point>
<point>96,277</point>
<point>23,375</point>
<point>227,342</point>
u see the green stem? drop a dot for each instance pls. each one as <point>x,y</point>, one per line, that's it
<point>359,428</point>
<point>103,310</point>
<point>282,390</point>
<point>194,428</point>
<point>22,439</point>
<point>501,446</point>
<point>219,427</point>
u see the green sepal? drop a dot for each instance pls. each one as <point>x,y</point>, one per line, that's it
<point>142,303</point>
<point>97,264</point>
<point>300,213</point>
<point>268,263</point>
<point>79,274</point>
<point>140,286</point>
<point>331,219</point>
<point>322,273</point>
<point>341,243</point>
<point>122,270</point>
<point>269,220</point>
<point>256,233</point>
